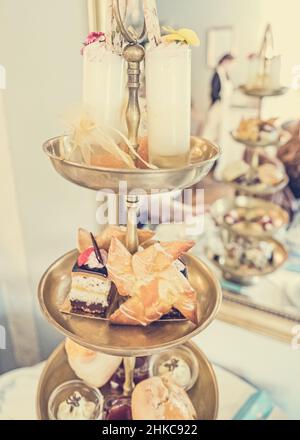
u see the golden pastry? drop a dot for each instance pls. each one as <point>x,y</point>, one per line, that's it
<point>152,282</point>
<point>104,238</point>
<point>92,367</point>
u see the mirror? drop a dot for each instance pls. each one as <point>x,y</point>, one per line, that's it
<point>271,304</point>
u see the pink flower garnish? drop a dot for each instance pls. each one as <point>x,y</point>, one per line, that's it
<point>93,37</point>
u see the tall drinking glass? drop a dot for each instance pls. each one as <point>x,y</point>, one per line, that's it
<point>168,93</point>
<point>104,85</point>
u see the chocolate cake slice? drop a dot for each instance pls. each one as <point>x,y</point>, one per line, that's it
<point>91,289</point>
<point>90,293</point>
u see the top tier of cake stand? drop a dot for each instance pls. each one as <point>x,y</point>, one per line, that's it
<point>264,93</point>
<point>138,181</point>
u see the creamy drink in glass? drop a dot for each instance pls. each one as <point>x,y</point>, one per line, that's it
<point>168,93</point>
<point>103,85</point>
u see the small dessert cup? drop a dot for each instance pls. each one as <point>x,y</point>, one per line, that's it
<point>182,353</point>
<point>64,393</point>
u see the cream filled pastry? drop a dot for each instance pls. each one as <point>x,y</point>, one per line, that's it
<point>160,398</point>
<point>95,369</point>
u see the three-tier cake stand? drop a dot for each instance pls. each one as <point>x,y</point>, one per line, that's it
<point>252,197</point>
<point>126,341</point>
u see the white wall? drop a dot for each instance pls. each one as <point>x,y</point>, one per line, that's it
<point>40,43</point>
<point>249,19</point>
<point>285,22</point>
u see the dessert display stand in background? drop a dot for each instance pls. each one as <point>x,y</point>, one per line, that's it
<point>257,147</point>
<point>250,195</point>
<point>264,82</point>
<point>126,341</point>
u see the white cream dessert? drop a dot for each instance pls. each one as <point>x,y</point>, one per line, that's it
<point>177,369</point>
<point>76,407</point>
<point>95,369</point>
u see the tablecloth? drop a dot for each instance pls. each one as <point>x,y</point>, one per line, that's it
<point>18,392</point>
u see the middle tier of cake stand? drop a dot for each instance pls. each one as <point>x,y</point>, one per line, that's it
<point>259,189</point>
<point>260,144</point>
<point>100,335</point>
<point>246,206</point>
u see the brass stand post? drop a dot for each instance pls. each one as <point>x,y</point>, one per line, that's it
<point>132,236</point>
<point>134,55</point>
<point>129,364</point>
<point>132,245</point>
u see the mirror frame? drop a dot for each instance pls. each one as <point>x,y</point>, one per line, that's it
<point>258,319</point>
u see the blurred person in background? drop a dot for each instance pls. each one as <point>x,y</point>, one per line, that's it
<point>217,125</point>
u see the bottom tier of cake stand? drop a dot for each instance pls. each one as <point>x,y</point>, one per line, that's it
<point>204,393</point>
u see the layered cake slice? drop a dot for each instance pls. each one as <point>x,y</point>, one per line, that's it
<point>91,289</point>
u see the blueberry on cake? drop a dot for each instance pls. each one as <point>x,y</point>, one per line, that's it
<point>90,289</point>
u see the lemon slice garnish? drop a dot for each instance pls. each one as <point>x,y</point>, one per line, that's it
<point>184,35</point>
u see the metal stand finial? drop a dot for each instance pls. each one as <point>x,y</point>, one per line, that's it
<point>134,54</point>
